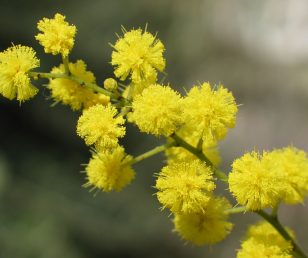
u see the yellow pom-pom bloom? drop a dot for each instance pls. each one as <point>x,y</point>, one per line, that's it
<point>57,35</point>
<point>263,240</point>
<point>208,227</point>
<point>179,154</point>
<point>110,84</point>
<point>264,232</point>
<point>72,93</point>
<point>157,110</point>
<point>185,187</point>
<point>293,164</point>
<point>99,125</point>
<point>15,63</point>
<point>211,112</point>
<point>254,181</point>
<point>254,249</point>
<point>108,170</point>
<point>138,54</point>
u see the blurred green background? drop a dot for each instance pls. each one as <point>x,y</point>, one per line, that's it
<point>258,49</point>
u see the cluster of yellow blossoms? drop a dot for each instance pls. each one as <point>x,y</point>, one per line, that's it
<point>192,125</point>
<point>263,181</point>
<point>72,93</point>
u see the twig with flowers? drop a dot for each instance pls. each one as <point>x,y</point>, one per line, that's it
<point>192,126</point>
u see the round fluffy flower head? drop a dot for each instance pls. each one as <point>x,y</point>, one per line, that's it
<point>73,94</point>
<point>265,233</point>
<point>254,249</point>
<point>209,227</point>
<point>108,170</point>
<point>293,164</point>
<point>15,63</point>
<point>263,240</point>
<point>255,182</point>
<point>157,110</point>
<point>138,54</point>
<point>57,35</point>
<point>99,125</point>
<point>185,187</point>
<point>210,111</point>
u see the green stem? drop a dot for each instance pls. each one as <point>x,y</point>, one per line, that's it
<point>277,225</point>
<point>200,144</point>
<point>274,213</point>
<point>65,61</point>
<point>125,110</point>
<point>199,154</point>
<point>127,104</point>
<point>150,153</point>
<point>89,85</point>
<point>236,210</point>
<point>181,142</point>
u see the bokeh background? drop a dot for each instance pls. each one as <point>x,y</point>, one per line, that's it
<point>258,49</point>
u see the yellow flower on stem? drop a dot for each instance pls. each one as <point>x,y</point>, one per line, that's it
<point>99,125</point>
<point>208,227</point>
<point>293,165</point>
<point>266,233</point>
<point>108,170</point>
<point>185,187</point>
<point>210,111</point>
<point>15,63</point>
<point>255,182</point>
<point>254,249</point>
<point>57,35</point>
<point>72,93</point>
<point>263,240</point>
<point>138,54</point>
<point>157,110</point>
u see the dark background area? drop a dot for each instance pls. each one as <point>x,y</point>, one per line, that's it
<point>258,49</point>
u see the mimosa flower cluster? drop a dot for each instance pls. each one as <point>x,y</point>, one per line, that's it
<point>264,180</point>
<point>192,125</point>
<point>71,93</point>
